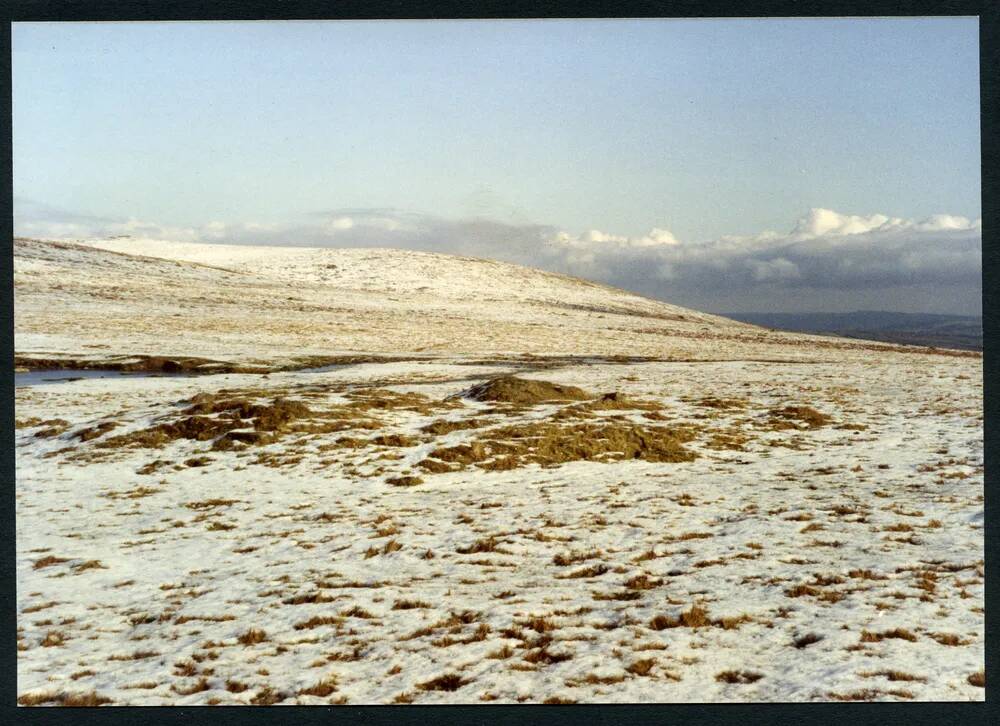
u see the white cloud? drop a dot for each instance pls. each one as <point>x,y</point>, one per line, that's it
<point>824,250</point>
<point>776,269</point>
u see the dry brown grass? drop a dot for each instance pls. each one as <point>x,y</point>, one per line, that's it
<point>550,444</point>
<point>949,639</point>
<point>869,694</point>
<point>63,699</point>
<point>743,677</point>
<point>592,679</point>
<point>48,561</point>
<point>977,679</point>
<point>509,389</point>
<point>488,544</point>
<point>641,667</point>
<point>899,633</point>
<point>198,686</point>
<point>446,682</point>
<point>322,688</point>
<point>137,655</point>
<point>53,639</point>
<point>893,675</point>
<point>591,571</point>
<point>40,606</point>
<point>253,636</point>
<point>404,481</point>
<point>357,611</point>
<point>695,616</point>
<point>797,417</point>
<point>234,686</point>
<point>806,640</point>
<point>643,582</point>
<point>570,558</point>
<point>267,696</point>
<point>409,605</point>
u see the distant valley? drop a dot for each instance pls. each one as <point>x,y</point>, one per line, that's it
<point>942,331</point>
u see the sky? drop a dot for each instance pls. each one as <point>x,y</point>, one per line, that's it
<point>728,165</point>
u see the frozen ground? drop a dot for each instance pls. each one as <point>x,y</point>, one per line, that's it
<point>796,523</point>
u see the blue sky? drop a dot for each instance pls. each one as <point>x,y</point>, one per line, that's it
<point>704,128</point>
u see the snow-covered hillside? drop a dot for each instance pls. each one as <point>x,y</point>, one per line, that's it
<point>273,306</point>
<point>546,490</point>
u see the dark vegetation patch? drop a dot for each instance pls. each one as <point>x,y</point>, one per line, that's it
<point>803,641</point>
<point>444,426</point>
<point>899,633</point>
<point>738,677</point>
<point>63,699</point>
<point>404,481</point>
<point>198,423</point>
<point>52,427</point>
<point>136,364</point>
<point>797,417</point>
<point>509,389</point>
<point>550,444</point>
<point>94,432</point>
<point>721,404</point>
<point>447,682</point>
<point>47,561</point>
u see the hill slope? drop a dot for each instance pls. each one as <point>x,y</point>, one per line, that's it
<point>278,305</point>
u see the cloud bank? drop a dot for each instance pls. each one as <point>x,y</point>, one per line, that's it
<point>827,261</point>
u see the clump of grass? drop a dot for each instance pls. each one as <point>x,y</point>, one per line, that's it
<point>489,544</point>
<point>89,565</point>
<point>509,389</point>
<point>137,655</point>
<point>565,559</point>
<point>977,679</point>
<point>404,481</point>
<point>798,417</point>
<point>869,694</point>
<point>591,571</point>
<point>322,689</point>
<point>539,623</point>
<point>357,612</point>
<point>641,667</point>
<point>63,699</point>
<point>694,617</point>
<point>409,605</point>
<point>197,687</point>
<point>545,656</point>
<point>550,444</point>
<point>948,639</point>
<point>48,561</point>
<point>900,633</point>
<point>894,675</point>
<point>309,598</point>
<point>804,641</point>
<point>252,637</point>
<point>53,638</point>
<point>642,582</point>
<point>743,677</point>
<point>446,682</point>
<point>267,696</point>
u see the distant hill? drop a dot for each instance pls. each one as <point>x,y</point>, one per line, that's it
<point>930,329</point>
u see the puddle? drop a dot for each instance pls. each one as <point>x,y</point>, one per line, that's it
<point>36,378</point>
<point>324,369</point>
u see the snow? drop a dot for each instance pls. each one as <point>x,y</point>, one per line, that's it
<point>883,520</point>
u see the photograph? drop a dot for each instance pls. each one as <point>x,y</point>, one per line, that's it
<point>497,361</point>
